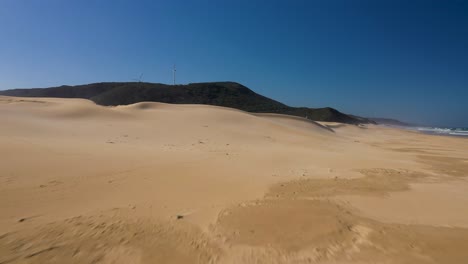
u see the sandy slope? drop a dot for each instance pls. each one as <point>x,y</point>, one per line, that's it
<point>160,183</point>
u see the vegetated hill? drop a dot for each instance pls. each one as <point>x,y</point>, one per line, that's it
<point>228,94</point>
<point>389,121</point>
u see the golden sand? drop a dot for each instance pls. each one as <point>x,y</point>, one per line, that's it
<point>161,183</point>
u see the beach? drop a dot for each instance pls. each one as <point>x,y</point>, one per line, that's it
<point>166,183</point>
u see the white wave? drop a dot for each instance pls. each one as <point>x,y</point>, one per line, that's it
<point>434,129</point>
<point>459,133</point>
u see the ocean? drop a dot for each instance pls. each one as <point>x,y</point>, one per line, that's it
<point>449,131</point>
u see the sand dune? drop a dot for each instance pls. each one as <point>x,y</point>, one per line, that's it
<point>162,183</point>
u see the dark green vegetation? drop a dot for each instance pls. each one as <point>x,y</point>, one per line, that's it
<point>390,122</point>
<point>228,94</point>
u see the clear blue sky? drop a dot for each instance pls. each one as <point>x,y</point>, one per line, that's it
<point>403,59</point>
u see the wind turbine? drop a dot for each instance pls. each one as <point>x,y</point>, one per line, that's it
<point>138,79</point>
<point>173,74</point>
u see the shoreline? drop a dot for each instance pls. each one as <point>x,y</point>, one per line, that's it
<point>432,130</point>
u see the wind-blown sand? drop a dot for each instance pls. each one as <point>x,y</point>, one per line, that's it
<point>161,183</point>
